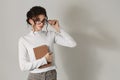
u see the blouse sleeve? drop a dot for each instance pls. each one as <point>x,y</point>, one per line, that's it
<point>64,39</point>
<point>24,64</point>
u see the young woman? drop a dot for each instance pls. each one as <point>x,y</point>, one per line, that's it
<point>37,19</point>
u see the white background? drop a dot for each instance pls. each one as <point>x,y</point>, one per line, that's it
<point>94,24</point>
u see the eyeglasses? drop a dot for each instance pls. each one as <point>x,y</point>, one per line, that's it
<point>38,22</point>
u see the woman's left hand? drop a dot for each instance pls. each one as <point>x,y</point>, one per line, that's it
<point>54,24</point>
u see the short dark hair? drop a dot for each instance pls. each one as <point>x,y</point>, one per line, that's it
<point>34,12</point>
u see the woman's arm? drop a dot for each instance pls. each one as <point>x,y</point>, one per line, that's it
<point>64,39</point>
<point>26,65</point>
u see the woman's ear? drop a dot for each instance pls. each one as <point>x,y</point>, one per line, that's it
<point>31,21</point>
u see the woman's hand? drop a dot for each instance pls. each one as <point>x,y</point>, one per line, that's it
<point>54,24</point>
<point>49,57</point>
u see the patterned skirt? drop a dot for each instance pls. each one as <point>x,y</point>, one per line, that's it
<point>49,75</point>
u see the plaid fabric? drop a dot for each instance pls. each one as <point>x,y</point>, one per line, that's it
<point>49,75</point>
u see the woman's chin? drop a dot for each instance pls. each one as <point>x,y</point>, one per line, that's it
<point>39,28</point>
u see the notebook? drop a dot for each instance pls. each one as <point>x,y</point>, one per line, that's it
<point>40,52</point>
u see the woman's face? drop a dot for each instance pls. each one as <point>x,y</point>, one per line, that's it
<point>38,23</point>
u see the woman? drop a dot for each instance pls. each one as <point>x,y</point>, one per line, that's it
<point>37,19</point>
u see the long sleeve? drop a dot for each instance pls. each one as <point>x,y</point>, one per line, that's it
<point>24,63</point>
<point>64,39</point>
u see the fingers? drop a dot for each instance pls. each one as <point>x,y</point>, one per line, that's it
<point>52,22</point>
<point>49,57</point>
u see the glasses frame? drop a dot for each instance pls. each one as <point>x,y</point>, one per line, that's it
<point>38,22</point>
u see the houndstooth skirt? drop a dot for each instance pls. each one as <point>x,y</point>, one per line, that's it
<point>49,75</point>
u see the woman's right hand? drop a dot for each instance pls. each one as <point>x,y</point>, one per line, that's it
<point>49,57</point>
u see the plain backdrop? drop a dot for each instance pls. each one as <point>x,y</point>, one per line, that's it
<point>94,24</point>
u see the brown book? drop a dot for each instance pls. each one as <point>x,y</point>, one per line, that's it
<point>40,52</point>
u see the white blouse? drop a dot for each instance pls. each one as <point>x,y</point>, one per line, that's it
<point>26,43</point>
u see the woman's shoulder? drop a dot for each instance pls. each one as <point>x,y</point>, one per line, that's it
<point>21,38</point>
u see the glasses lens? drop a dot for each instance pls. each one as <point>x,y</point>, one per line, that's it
<point>37,21</point>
